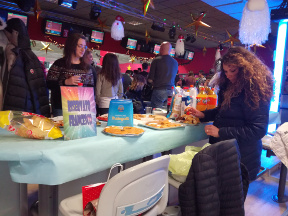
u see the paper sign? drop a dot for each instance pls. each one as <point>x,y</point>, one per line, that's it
<point>79,112</point>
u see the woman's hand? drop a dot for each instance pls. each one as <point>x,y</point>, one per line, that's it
<point>73,80</point>
<point>211,130</point>
<point>195,112</point>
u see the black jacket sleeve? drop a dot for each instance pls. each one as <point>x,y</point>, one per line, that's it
<point>256,124</point>
<point>36,82</point>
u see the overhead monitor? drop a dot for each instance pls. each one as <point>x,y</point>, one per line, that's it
<point>97,36</point>
<point>53,28</point>
<point>156,49</point>
<point>14,15</point>
<point>172,52</point>
<point>190,55</point>
<point>131,43</point>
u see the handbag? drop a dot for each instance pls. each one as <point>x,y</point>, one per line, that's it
<point>91,194</point>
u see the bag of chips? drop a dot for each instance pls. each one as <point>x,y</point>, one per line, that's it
<point>29,125</point>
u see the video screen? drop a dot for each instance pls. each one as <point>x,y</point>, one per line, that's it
<point>97,36</point>
<point>172,53</point>
<point>156,49</point>
<point>190,55</point>
<point>131,43</point>
<point>53,28</point>
<point>22,17</point>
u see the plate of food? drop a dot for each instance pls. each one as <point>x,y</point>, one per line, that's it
<point>125,131</point>
<point>188,119</point>
<point>162,125</point>
<point>103,117</point>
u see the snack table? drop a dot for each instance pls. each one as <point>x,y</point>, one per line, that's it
<point>54,162</point>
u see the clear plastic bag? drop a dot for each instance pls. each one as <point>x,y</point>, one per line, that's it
<point>29,125</point>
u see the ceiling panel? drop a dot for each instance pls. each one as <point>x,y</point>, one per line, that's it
<point>221,15</point>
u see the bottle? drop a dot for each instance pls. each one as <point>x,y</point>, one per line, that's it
<point>186,89</point>
<point>212,99</point>
<point>184,105</point>
<point>169,99</point>
<point>193,96</point>
<point>201,100</point>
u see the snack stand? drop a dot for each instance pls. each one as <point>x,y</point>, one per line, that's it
<point>54,164</point>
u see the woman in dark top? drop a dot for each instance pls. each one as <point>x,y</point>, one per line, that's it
<point>69,70</point>
<point>135,93</point>
<point>246,88</point>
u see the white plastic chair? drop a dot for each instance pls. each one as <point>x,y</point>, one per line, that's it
<point>142,188</point>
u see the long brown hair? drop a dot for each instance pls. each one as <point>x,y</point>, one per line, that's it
<point>70,49</point>
<point>138,82</point>
<point>110,68</point>
<point>254,77</point>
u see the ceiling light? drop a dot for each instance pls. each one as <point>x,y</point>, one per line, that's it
<point>135,23</point>
<point>95,12</point>
<point>172,32</point>
<point>158,26</point>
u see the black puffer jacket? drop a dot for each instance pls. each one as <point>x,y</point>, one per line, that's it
<point>24,85</point>
<point>243,124</point>
<point>216,184</point>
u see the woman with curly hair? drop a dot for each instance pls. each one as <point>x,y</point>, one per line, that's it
<point>109,83</point>
<point>246,87</point>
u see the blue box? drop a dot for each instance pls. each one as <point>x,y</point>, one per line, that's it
<point>120,113</point>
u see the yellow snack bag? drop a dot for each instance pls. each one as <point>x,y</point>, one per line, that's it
<point>29,125</point>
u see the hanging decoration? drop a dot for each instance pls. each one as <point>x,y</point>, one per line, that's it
<point>46,47</point>
<point>132,59</point>
<point>217,54</point>
<point>129,67</point>
<point>146,4</point>
<point>179,48</point>
<point>255,22</point>
<point>147,36</point>
<point>232,38</point>
<point>60,46</point>
<point>197,22</point>
<point>101,24</point>
<point>117,29</point>
<point>204,51</point>
<point>37,10</point>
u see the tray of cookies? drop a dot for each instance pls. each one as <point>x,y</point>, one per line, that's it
<point>162,125</point>
<point>125,131</point>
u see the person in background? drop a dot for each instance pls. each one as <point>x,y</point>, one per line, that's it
<point>246,88</point>
<point>135,93</point>
<point>162,75</point>
<point>69,70</point>
<point>88,59</point>
<point>139,70</point>
<point>126,80</point>
<point>3,43</point>
<point>200,80</point>
<point>23,82</point>
<point>180,82</point>
<point>135,72</point>
<point>190,79</point>
<point>144,70</point>
<point>109,83</point>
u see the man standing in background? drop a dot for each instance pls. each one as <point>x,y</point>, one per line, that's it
<point>162,76</point>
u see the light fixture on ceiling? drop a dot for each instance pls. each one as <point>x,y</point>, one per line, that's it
<point>135,23</point>
<point>68,3</point>
<point>157,26</point>
<point>172,32</point>
<point>95,11</point>
<point>193,39</point>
